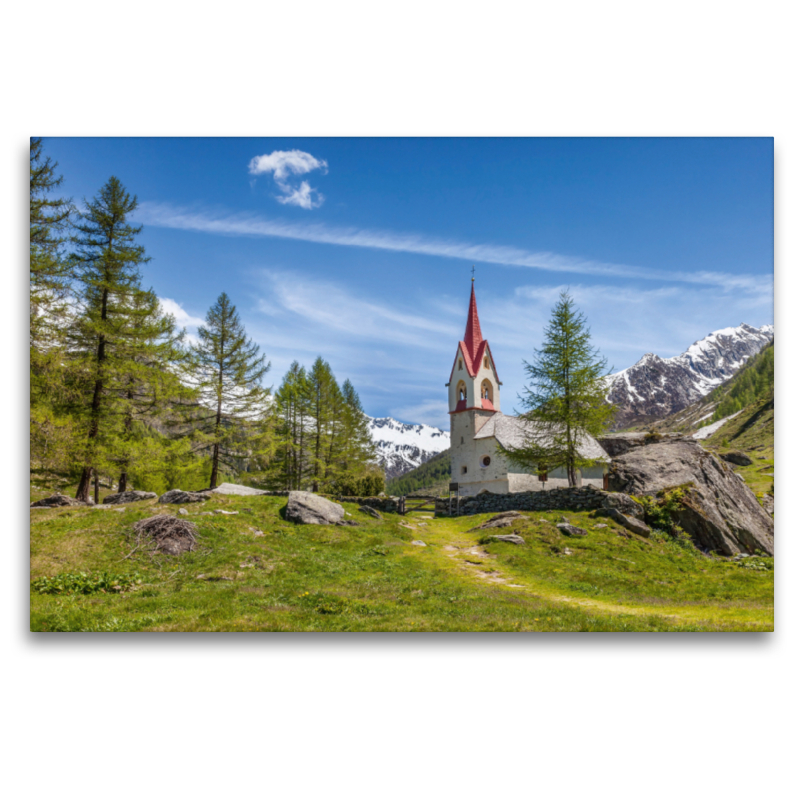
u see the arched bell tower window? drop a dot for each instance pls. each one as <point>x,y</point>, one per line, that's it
<point>462,391</point>
<point>487,393</point>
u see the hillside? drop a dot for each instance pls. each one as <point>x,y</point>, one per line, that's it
<point>254,570</point>
<point>655,387</point>
<point>752,387</point>
<point>432,477</point>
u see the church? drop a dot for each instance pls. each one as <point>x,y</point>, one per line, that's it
<point>479,430</point>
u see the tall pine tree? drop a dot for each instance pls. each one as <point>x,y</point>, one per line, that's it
<point>565,398</point>
<point>233,423</point>
<point>107,258</point>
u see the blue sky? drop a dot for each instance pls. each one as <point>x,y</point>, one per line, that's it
<point>360,250</point>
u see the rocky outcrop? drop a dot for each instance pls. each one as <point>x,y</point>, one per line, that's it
<point>718,510</point>
<point>511,538</point>
<point>311,509</point>
<point>631,523</point>
<point>128,497</point>
<point>58,500</point>
<point>179,496</point>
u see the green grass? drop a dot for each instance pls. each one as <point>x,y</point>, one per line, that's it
<point>371,578</point>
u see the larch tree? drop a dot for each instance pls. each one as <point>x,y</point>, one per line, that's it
<point>50,219</point>
<point>151,359</point>
<point>325,407</point>
<point>232,424</point>
<point>565,398</point>
<point>107,259</point>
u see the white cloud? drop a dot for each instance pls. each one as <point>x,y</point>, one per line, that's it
<point>282,164</point>
<point>167,216</point>
<point>183,319</point>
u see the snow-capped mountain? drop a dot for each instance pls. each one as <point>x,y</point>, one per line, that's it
<point>402,447</point>
<point>656,387</point>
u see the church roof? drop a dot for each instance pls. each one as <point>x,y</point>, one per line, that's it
<point>512,432</point>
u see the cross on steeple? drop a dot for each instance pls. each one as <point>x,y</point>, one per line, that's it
<point>473,272</point>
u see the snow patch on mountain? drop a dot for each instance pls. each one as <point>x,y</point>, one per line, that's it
<point>402,447</point>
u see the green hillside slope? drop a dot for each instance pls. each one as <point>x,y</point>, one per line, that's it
<point>431,477</point>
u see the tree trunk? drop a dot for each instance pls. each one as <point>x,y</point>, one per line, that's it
<point>84,484</point>
<point>123,482</point>
<point>214,467</point>
<point>96,488</point>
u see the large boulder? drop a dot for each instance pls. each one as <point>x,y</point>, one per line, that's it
<point>738,458</point>
<point>128,497</point>
<point>718,510</point>
<point>311,509</point>
<point>179,496</point>
<point>58,500</point>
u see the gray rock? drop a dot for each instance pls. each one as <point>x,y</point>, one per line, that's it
<point>58,500</point>
<point>623,503</point>
<point>178,496</point>
<point>571,530</point>
<point>768,502</point>
<point>419,543</point>
<point>183,511</point>
<point>227,513</point>
<point>311,509</point>
<point>236,489</point>
<point>601,525</point>
<point>128,497</point>
<point>504,520</point>
<point>631,523</point>
<point>719,512</point>
<point>371,511</point>
<point>738,458</point>
<point>512,538</point>
<point>348,523</point>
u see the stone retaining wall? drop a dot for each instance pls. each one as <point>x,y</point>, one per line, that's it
<point>389,505</point>
<point>584,498</point>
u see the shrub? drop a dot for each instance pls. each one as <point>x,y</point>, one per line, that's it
<point>84,583</point>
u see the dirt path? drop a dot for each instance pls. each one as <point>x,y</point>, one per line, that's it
<point>474,563</point>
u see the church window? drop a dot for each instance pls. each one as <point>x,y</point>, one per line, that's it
<point>462,390</point>
<point>463,470</point>
<point>486,391</point>
<point>460,364</point>
<point>485,461</point>
<point>486,362</point>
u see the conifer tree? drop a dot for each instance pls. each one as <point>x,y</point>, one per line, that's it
<point>107,259</point>
<point>565,398</point>
<point>151,357</point>
<point>292,400</point>
<point>228,376</point>
<point>326,403</point>
<point>49,267</point>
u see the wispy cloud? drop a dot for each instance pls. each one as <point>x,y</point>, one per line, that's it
<point>282,165</point>
<point>166,215</point>
<point>183,319</point>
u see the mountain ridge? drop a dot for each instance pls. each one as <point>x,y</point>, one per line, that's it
<point>404,446</point>
<point>655,387</point>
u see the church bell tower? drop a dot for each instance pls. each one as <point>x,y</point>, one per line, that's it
<point>473,391</point>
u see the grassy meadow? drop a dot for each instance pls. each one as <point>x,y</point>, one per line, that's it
<point>254,571</point>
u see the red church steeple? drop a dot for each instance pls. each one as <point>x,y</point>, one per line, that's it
<point>473,338</point>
